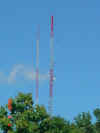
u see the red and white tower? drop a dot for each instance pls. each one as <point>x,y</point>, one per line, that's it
<point>51,68</point>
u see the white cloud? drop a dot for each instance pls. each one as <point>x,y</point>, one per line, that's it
<point>17,70</point>
<point>21,71</point>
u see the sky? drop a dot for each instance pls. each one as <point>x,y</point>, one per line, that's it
<point>76,52</point>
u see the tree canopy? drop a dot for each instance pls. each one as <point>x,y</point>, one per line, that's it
<point>21,115</point>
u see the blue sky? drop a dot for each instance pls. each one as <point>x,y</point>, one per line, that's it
<point>76,47</point>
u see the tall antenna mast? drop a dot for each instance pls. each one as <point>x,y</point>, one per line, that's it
<point>32,67</point>
<point>37,65</point>
<point>51,68</point>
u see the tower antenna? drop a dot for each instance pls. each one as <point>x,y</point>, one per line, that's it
<point>32,69</point>
<point>51,68</point>
<point>37,65</point>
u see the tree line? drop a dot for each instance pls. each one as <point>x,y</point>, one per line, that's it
<point>21,115</point>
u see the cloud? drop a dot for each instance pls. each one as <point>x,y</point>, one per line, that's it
<point>19,71</point>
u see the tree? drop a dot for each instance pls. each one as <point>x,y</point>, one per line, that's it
<point>59,125</point>
<point>75,129</point>
<point>25,117</point>
<point>21,115</point>
<point>97,115</point>
<point>83,122</point>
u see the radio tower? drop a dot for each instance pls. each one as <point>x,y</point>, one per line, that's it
<point>51,68</point>
<point>37,65</point>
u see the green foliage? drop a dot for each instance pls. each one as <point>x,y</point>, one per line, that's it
<point>30,118</point>
<point>97,115</point>
<point>83,121</point>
